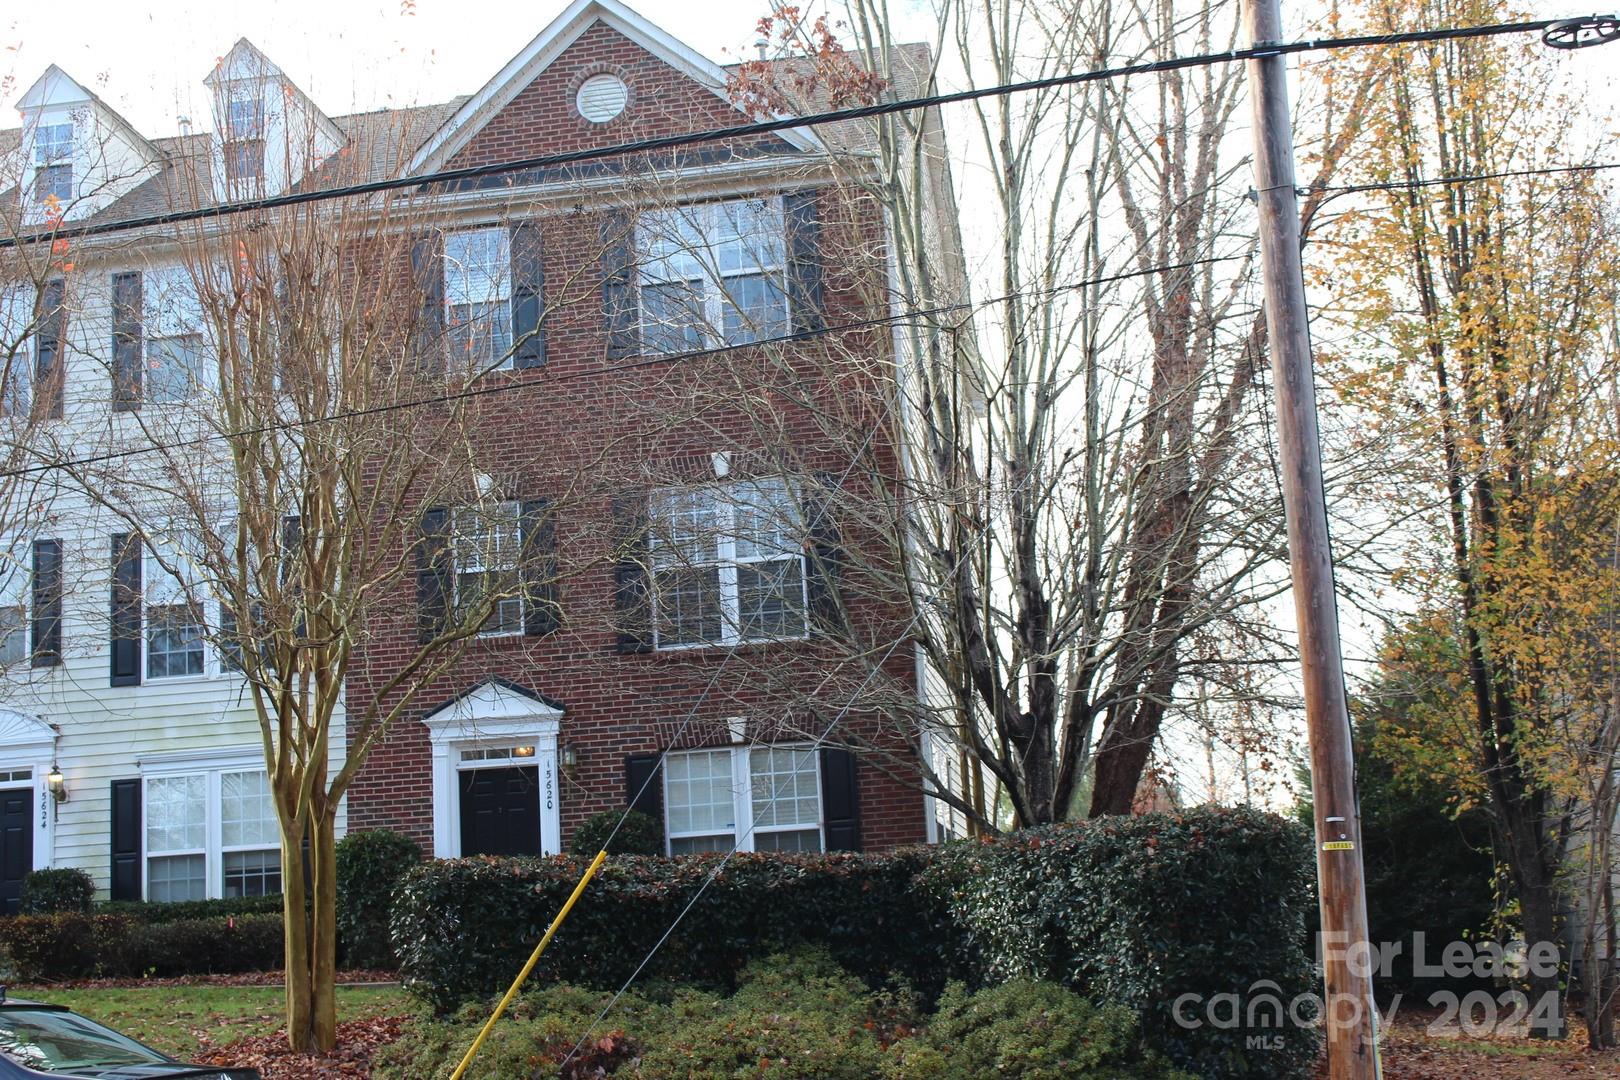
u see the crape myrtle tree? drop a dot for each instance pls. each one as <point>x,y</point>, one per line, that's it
<point>1485,370</point>
<point>292,450</point>
<point>1069,478</point>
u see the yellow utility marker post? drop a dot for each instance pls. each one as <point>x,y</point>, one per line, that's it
<point>534,958</point>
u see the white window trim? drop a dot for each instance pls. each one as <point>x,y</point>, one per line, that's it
<point>712,282</point>
<point>742,794</point>
<point>492,716</point>
<point>727,561</point>
<point>212,765</point>
<point>213,666</point>
<point>457,569</point>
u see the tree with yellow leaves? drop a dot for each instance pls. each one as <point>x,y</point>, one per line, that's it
<point>1479,286</point>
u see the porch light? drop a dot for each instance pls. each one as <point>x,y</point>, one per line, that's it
<point>570,755</point>
<point>56,784</point>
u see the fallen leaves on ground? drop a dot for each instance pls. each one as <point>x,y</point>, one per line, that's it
<point>1410,1052</point>
<point>357,1041</point>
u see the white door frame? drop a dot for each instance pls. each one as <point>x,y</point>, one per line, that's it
<point>28,742</point>
<point>493,713</point>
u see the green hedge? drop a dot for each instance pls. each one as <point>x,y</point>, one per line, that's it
<point>633,833</point>
<point>463,927</point>
<point>1137,911</point>
<point>370,865</point>
<point>1141,911</point>
<point>147,911</point>
<point>45,948</point>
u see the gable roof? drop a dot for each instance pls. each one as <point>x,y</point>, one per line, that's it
<point>550,43</point>
<point>49,85</point>
<point>246,61</point>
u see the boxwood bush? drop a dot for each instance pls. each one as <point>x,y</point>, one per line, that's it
<point>640,834</point>
<point>1139,911</point>
<point>149,911</point>
<point>64,888</point>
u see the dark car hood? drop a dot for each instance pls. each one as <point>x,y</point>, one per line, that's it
<point>166,1071</point>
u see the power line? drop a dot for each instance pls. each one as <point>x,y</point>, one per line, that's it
<point>493,388</point>
<point>1445,181</point>
<point>767,127</point>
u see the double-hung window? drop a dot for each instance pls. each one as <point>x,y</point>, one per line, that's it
<point>53,163</point>
<point>175,626</point>
<point>211,833</point>
<point>478,299</point>
<point>244,145</point>
<point>765,798</point>
<point>727,564</point>
<point>16,350</point>
<point>176,362</point>
<point>712,274</point>
<point>487,548</point>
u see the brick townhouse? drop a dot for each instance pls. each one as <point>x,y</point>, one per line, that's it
<point>691,550</point>
<point>640,688</point>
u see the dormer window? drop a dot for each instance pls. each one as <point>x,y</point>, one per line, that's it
<point>53,163</point>
<point>244,138</point>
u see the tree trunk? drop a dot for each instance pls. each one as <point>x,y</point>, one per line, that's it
<point>1538,912</point>
<point>309,915</point>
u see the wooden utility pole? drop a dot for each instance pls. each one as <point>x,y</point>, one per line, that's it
<point>1348,1005</point>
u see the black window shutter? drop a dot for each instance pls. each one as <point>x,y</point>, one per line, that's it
<point>427,271</point>
<point>126,839</point>
<point>632,594</point>
<point>619,286</point>
<point>644,785</point>
<point>542,609</point>
<point>824,554</point>
<point>801,212</point>
<point>433,574</point>
<point>528,297</point>
<point>50,347</point>
<point>126,370</point>
<point>126,610</point>
<point>47,588</point>
<point>840,800</point>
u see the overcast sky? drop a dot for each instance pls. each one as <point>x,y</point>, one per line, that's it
<point>148,59</point>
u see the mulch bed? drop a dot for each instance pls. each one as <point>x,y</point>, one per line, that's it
<point>357,1041</point>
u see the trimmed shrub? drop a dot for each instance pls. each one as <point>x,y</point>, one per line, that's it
<point>1029,1029</point>
<point>43,948</point>
<point>370,865</point>
<point>1142,911</point>
<point>39,948</point>
<point>639,835</point>
<point>153,912</point>
<point>217,946</point>
<point>463,927</point>
<point>46,892</point>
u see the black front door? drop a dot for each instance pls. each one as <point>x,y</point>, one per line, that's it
<point>500,811</point>
<point>16,845</point>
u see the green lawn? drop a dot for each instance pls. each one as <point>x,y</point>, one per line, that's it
<point>176,1019</point>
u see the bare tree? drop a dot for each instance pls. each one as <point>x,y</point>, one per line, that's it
<point>1072,480</point>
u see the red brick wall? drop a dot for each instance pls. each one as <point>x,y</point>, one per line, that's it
<point>578,435</point>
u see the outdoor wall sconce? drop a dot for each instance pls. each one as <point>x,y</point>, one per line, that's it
<point>570,755</point>
<point>57,786</point>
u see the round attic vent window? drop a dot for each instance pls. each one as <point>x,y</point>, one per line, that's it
<point>601,98</point>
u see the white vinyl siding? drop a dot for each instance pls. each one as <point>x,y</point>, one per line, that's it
<point>16,349</point>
